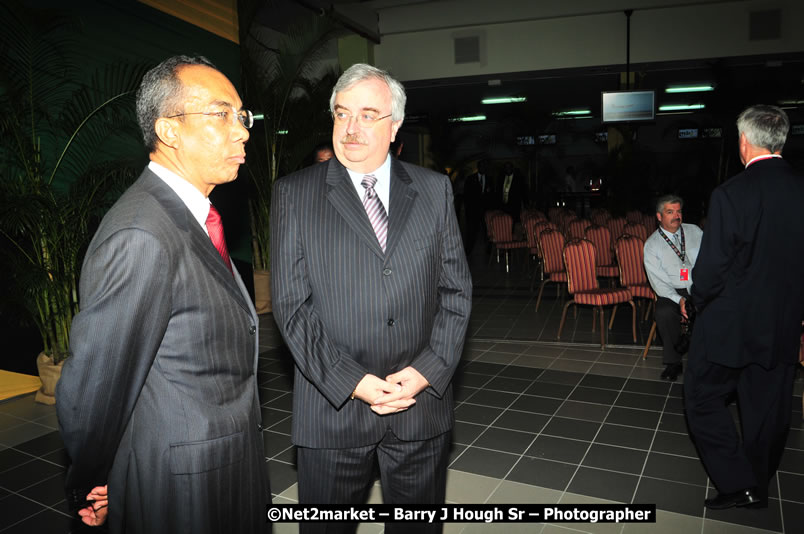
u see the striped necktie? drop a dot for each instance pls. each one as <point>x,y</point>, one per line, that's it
<point>215,229</point>
<point>375,210</point>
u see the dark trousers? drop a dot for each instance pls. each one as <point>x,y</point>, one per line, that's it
<point>765,404</point>
<point>668,322</point>
<point>410,472</point>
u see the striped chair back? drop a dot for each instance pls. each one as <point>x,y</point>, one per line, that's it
<point>600,217</point>
<point>502,226</point>
<point>579,257</point>
<point>616,225</point>
<point>551,243</point>
<point>634,216</point>
<point>601,239</point>
<point>553,213</point>
<point>577,228</point>
<point>487,218</point>
<point>636,229</point>
<point>629,250</point>
<point>650,222</point>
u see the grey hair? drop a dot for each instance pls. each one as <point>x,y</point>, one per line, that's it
<point>360,72</point>
<point>764,127</point>
<point>668,199</point>
<point>160,94</point>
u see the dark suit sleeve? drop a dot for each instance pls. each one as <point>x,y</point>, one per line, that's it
<point>438,362</point>
<point>718,249</point>
<point>333,372</point>
<point>125,309</point>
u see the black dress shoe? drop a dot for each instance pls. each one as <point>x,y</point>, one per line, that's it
<point>747,497</point>
<point>671,371</point>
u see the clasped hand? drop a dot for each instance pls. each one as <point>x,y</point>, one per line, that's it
<point>394,394</point>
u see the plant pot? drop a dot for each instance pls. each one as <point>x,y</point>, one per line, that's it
<point>262,291</point>
<point>49,374</point>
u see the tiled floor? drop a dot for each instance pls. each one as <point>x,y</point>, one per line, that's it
<point>537,422</point>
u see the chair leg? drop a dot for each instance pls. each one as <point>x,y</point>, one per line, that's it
<point>650,340</point>
<point>633,319</point>
<point>613,314</point>
<point>563,318</point>
<point>506,261</point>
<point>602,330</point>
<point>541,289</point>
<point>594,317</point>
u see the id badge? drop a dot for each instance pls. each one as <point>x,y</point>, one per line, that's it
<point>684,274</point>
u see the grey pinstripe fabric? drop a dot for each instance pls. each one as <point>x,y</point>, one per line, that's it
<point>335,293</point>
<point>159,397</point>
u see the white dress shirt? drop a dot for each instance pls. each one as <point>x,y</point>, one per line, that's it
<point>195,201</point>
<point>664,266</point>
<point>382,187</point>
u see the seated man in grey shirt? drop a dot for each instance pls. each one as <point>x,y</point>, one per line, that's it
<point>670,254</point>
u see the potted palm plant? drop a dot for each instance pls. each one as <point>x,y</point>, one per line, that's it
<point>54,186</point>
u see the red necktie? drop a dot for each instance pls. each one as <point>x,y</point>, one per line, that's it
<point>215,229</point>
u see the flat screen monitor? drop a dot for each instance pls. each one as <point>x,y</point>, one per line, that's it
<point>628,106</point>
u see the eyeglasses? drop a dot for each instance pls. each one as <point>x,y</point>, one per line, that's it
<point>365,119</point>
<point>245,116</point>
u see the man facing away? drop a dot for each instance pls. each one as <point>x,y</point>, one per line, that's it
<point>749,292</point>
<point>158,402</point>
<point>477,193</point>
<point>669,254</point>
<point>372,294</point>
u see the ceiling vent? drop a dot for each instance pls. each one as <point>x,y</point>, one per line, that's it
<point>467,49</point>
<point>765,25</point>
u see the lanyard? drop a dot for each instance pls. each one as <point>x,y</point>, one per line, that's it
<point>682,254</point>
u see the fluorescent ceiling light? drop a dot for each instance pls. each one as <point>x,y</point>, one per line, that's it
<point>790,102</point>
<point>571,113</point>
<point>681,107</point>
<point>472,118</point>
<point>282,132</point>
<point>504,100</point>
<point>689,89</point>
<point>258,116</point>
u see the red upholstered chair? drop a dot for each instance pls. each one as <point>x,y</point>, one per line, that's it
<point>633,277</point>
<point>635,229</point>
<point>487,219</point>
<point>615,226</point>
<point>601,238</point>
<point>532,231</point>
<point>579,257</point>
<point>502,236</point>
<point>650,222</point>
<point>553,214</point>
<point>551,243</point>
<point>600,217</point>
<point>577,228</point>
<point>634,216</point>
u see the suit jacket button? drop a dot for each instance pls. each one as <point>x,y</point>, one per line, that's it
<point>390,322</point>
<point>252,330</point>
<point>387,272</point>
<point>260,428</point>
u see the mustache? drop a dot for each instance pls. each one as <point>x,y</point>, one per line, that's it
<point>352,139</point>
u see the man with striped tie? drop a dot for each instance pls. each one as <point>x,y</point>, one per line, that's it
<point>372,294</point>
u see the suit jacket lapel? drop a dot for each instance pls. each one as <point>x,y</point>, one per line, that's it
<point>402,198</point>
<point>341,194</point>
<point>199,242</point>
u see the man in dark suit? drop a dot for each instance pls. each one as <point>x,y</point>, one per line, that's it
<point>477,193</point>
<point>749,291</point>
<point>158,403</point>
<point>373,305</point>
<point>512,191</point>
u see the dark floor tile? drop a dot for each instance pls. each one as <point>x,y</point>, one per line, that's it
<point>28,474</point>
<point>769,518</point>
<point>271,417</point>
<point>494,399</point>
<point>793,513</point>
<point>547,389</point>
<point>647,386</point>
<point>282,476</point>
<point>282,382</point>
<point>792,461</point>
<point>677,390</point>
<point>791,486</point>
<point>285,403</point>
<point>275,443</point>
<point>560,377</point>
<point>674,443</point>
<point>471,380</point>
<point>14,508</point>
<point>462,393</point>
<point>603,484</point>
<point>483,462</point>
<point>600,396</point>
<point>524,373</point>
<point>58,457</point>
<point>583,410</point>
<point>795,439</point>
<point>641,401</point>
<point>675,468</point>
<point>672,496</point>
<point>484,368</point>
<point>631,417</point>
<point>505,440</point>
<point>268,394</point>
<point>284,426</point>
<point>625,436</point>
<point>503,383</point>
<point>559,449</point>
<point>536,404</point>
<point>466,433</point>
<point>615,458</point>
<point>472,413</point>
<point>604,382</point>
<point>673,423</point>
<point>11,458</point>
<point>543,473</point>
<point>47,492</point>
<point>571,428</point>
<point>456,449</point>
<point>674,405</point>
<point>523,421</point>
<point>42,445</point>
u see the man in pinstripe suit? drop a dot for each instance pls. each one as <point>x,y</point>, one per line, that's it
<point>376,331</point>
<point>158,402</point>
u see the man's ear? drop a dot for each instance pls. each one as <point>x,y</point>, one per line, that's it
<point>167,131</point>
